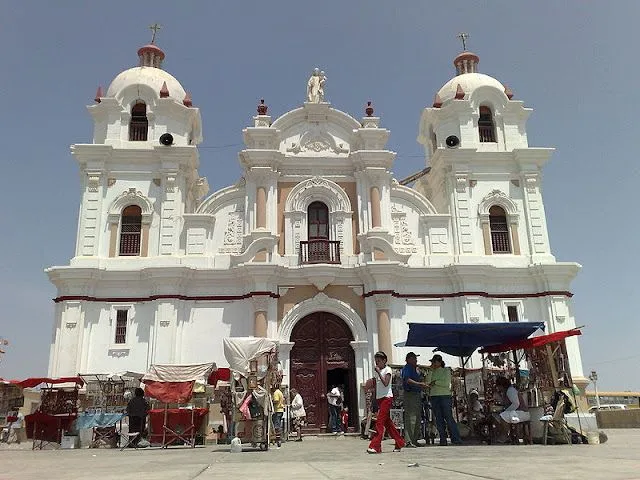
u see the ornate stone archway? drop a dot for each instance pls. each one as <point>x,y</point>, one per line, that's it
<point>360,344</point>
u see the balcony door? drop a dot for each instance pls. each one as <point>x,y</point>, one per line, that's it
<point>318,248</point>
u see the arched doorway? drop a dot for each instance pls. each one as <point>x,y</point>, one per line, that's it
<point>322,356</point>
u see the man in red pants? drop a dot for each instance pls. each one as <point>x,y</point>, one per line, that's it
<point>384,397</point>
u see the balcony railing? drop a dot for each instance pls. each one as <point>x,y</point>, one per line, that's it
<point>487,133</point>
<point>500,242</point>
<point>320,251</point>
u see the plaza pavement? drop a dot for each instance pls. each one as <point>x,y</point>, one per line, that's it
<point>332,458</point>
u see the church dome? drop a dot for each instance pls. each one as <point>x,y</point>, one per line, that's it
<point>149,73</point>
<point>468,82</point>
<point>467,79</point>
<point>153,77</point>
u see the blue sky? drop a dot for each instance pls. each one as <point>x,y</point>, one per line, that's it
<point>573,62</point>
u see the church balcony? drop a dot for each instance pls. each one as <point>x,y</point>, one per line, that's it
<point>319,251</point>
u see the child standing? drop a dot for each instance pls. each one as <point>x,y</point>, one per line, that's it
<point>384,398</point>
<point>344,419</point>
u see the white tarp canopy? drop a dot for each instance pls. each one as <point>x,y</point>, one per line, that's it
<point>179,373</point>
<point>239,351</point>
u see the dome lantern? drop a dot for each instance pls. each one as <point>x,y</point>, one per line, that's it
<point>465,62</point>
<point>151,55</point>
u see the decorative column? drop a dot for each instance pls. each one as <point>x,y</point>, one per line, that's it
<point>284,356</point>
<point>169,214</point>
<point>515,239</point>
<point>261,207</point>
<point>89,233</point>
<point>260,320</point>
<point>363,371</point>
<point>486,234</point>
<point>375,207</point>
<point>384,325</point>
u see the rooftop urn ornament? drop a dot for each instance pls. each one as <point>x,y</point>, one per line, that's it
<point>164,91</point>
<point>437,101</point>
<point>369,110</point>
<point>262,108</point>
<point>315,86</point>
<point>187,102</point>
<point>508,92</point>
<point>99,95</point>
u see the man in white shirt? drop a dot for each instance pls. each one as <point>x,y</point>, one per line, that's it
<point>384,398</point>
<point>333,398</point>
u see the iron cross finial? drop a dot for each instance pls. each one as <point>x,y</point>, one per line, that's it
<point>463,37</point>
<point>154,28</point>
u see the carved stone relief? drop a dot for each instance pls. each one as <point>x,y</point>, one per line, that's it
<point>234,232</point>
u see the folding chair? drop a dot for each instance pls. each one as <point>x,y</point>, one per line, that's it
<point>130,438</point>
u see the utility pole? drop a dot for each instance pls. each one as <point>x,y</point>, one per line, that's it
<point>594,378</point>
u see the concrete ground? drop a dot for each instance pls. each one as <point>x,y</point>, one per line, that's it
<point>332,458</point>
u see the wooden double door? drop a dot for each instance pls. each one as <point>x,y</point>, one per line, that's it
<point>322,357</point>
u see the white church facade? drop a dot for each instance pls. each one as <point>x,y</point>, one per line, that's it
<point>317,245</point>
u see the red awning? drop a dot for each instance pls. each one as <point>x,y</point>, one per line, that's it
<point>221,374</point>
<point>34,382</point>
<point>534,342</point>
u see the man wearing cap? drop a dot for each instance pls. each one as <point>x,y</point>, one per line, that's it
<point>441,403</point>
<point>412,399</point>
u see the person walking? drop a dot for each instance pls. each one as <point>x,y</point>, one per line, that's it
<point>384,398</point>
<point>441,403</point>
<point>333,399</point>
<point>412,386</point>
<point>298,413</point>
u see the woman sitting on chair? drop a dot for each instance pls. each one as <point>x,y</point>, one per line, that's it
<point>516,409</point>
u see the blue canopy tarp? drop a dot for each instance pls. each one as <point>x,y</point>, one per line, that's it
<point>462,339</point>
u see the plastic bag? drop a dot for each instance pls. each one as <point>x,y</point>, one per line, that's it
<point>236,445</point>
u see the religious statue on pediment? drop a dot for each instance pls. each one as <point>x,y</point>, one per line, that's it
<point>315,86</point>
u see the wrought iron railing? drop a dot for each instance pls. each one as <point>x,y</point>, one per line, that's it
<point>320,251</point>
<point>500,242</point>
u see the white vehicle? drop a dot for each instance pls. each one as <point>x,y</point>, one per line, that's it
<point>613,406</point>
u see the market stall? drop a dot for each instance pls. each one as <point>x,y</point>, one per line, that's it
<point>104,405</point>
<point>463,340</point>
<point>254,370</point>
<point>57,411</point>
<point>548,383</point>
<point>179,421</point>
<point>11,399</point>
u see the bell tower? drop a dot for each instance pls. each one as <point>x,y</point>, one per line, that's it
<point>140,173</point>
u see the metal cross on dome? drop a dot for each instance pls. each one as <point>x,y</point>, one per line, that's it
<point>154,28</point>
<point>463,37</point>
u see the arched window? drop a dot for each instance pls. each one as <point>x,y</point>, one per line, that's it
<point>130,230</point>
<point>499,230</point>
<point>139,124</point>
<point>486,127</point>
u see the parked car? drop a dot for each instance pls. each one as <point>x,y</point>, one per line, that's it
<point>613,406</point>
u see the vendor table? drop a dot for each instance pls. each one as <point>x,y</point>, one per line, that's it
<point>106,428</point>
<point>45,429</point>
<point>172,425</point>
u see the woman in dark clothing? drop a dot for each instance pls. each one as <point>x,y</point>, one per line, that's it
<point>137,409</point>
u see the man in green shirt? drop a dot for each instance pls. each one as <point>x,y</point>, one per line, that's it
<point>441,403</point>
